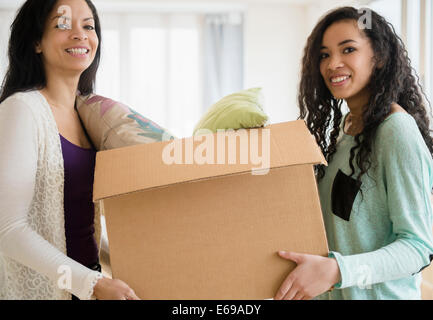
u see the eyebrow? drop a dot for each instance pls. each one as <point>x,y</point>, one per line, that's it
<point>340,44</point>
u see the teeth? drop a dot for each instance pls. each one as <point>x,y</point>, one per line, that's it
<point>77,51</point>
<point>339,79</point>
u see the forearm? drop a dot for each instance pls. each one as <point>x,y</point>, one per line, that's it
<point>400,259</point>
<point>25,246</point>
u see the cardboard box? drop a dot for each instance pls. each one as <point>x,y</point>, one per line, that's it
<point>197,230</point>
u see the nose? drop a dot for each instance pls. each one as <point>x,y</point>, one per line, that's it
<point>335,62</point>
<point>78,33</point>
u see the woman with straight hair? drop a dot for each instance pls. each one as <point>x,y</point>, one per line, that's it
<point>49,226</point>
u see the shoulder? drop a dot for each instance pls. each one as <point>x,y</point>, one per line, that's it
<point>25,97</point>
<point>398,137</point>
<point>22,108</point>
<point>28,102</point>
<point>398,126</point>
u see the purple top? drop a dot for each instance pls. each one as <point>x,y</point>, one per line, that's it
<point>79,164</point>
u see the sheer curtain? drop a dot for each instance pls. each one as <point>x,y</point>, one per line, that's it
<point>223,56</point>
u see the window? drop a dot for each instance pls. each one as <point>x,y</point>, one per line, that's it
<point>151,62</point>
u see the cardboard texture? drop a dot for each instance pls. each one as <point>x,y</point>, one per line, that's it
<point>427,283</point>
<point>211,231</point>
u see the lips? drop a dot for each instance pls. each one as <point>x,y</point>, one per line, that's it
<point>339,79</point>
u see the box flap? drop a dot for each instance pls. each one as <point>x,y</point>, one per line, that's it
<point>125,170</point>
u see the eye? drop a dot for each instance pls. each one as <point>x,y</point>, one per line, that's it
<point>63,26</point>
<point>323,56</point>
<point>349,50</point>
<point>89,27</point>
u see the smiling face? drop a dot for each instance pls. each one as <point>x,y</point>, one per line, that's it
<point>69,42</point>
<point>346,61</point>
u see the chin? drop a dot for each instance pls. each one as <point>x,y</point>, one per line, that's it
<point>80,68</point>
<point>340,95</point>
<point>75,72</point>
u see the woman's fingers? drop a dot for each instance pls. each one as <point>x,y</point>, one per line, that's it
<point>114,289</point>
<point>287,291</point>
<point>133,296</point>
<point>129,295</point>
<point>298,296</point>
<point>285,286</point>
<point>293,256</point>
<point>291,293</point>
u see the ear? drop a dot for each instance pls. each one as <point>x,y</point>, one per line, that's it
<point>380,63</point>
<point>38,48</point>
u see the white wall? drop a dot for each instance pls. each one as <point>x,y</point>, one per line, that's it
<point>274,40</point>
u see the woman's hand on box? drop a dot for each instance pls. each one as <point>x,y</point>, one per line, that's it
<point>113,289</point>
<point>312,276</point>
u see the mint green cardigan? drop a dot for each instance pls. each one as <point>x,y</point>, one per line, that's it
<point>385,239</point>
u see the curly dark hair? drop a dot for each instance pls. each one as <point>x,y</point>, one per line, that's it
<point>393,81</point>
<point>26,69</point>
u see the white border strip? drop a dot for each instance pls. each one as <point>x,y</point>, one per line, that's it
<point>151,6</point>
<point>183,7</point>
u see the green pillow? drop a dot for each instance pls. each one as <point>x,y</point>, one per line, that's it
<point>242,109</point>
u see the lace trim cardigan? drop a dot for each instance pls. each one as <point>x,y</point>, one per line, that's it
<point>33,260</point>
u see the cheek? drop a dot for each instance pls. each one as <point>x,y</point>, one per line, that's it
<point>95,41</point>
<point>48,51</point>
<point>363,66</point>
<point>54,41</point>
<point>365,71</point>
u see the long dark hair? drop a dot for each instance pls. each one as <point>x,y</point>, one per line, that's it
<point>26,69</point>
<point>393,81</point>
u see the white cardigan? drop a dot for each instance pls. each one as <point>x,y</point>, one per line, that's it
<point>33,259</point>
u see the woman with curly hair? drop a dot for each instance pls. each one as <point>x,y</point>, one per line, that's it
<point>375,192</point>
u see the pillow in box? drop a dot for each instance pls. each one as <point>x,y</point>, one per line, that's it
<point>111,124</point>
<point>242,109</point>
